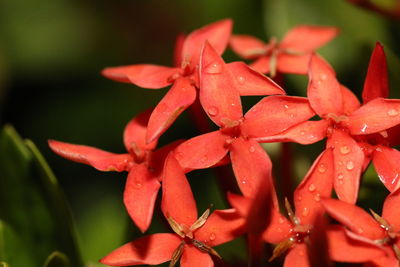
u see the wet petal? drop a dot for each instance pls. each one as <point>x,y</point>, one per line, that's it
<point>261,64</point>
<point>348,161</point>
<point>355,218</point>
<point>143,75</point>
<point>202,151</point>
<point>152,249</point>
<point>140,195</point>
<point>247,46</point>
<point>297,256</point>
<point>296,64</point>
<point>376,83</point>
<point>377,115</point>
<point>390,211</point>
<point>350,100</point>
<point>193,257</point>
<point>324,90</point>
<point>177,198</point>
<point>97,158</point>
<point>307,38</point>
<point>217,34</point>
<point>218,95</point>
<point>316,185</point>
<point>181,95</point>
<point>178,50</point>
<point>275,114</point>
<point>386,162</point>
<point>251,82</point>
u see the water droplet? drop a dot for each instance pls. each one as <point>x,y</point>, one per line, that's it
<point>360,230</point>
<point>299,198</point>
<point>340,182</point>
<point>317,197</point>
<point>322,168</point>
<point>323,76</point>
<point>213,111</point>
<point>305,212</point>
<point>138,184</point>
<point>364,128</point>
<point>302,133</point>
<point>345,150</point>
<point>350,165</point>
<point>340,176</point>
<point>319,82</point>
<point>392,112</point>
<point>212,236</point>
<point>281,220</point>
<point>286,106</point>
<point>311,188</point>
<point>241,79</point>
<point>243,181</point>
<point>214,68</point>
<point>252,149</point>
<point>233,104</point>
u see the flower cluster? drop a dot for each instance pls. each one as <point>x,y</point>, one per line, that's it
<point>355,133</point>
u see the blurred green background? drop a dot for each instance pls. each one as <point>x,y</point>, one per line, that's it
<point>52,52</point>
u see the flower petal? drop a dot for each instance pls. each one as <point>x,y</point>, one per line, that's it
<point>135,133</point>
<point>355,218</point>
<point>140,195</point>
<point>275,114</point>
<point>324,92</point>
<point>193,257</point>
<point>143,75</point>
<point>247,46</point>
<point>180,40</point>
<point>202,151</point>
<point>217,34</point>
<point>251,165</point>
<point>348,161</point>
<point>350,101</point>
<point>343,248</point>
<point>297,256</point>
<point>390,211</point>
<point>157,158</point>
<point>221,226</point>
<point>181,95</point>
<point>296,64</point>
<point>177,198</point>
<point>376,83</point>
<point>307,38</point>
<point>315,185</point>
<point>308,132</point>
<point>152,249</point>
<point>261,64</point>
<point>377,115</point>
<point>97,158</point>
<point>251,82</point>
<point>218,95</point>
<point>386,162</point>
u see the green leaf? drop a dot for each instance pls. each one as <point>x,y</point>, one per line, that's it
<point>12,247</point>
<point>57,259</point>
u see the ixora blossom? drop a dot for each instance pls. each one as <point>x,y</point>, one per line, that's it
<point>194,237</point>
<point>142,161</point>
<point>220,97</point>
<point>348,125</point>
<point>293,235</point>
<point>372,239</point>
<point>291,55</point>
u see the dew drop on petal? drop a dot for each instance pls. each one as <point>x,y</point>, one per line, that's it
<point>243,181</point>
<point>350,165</point>
<point>302,133</point>
<point>299,198</point>
<point>322,168</point>
<point>323,76</point>
<point>286,106</point>
<point>281,220</point>
<point>364,128</point>
<point>392,112</point>
<point>213,111</point>
<point>345,150</point>
<point>252,149</point>
<point>212,236</point>
<point>340,182</point>
<point>305,212</point>
<point>138,184</point>
<point>340,176</point>
<point>360,230</point>
<point>311,188</point>
<point>214,68</point>
<point>317,197</point>
<point>241,79</point>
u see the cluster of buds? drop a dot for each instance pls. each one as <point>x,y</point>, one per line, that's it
<point>201,81</point>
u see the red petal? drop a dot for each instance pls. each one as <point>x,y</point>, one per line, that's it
<point>251,165</point>
<point>135,132</point>
<point>140,195</point>
<point>386,162</point>
<point>180,40</point>
<point>240,203</point>
<point>143,75</point>
<point>390,211</point>
<point>350,101</point>
<point>377,115</point>
<point>247,46</point>
<point>348,161</point>
<point>316,185</point>
<point>346,249</point>
<point>222,226</point>
<point>177,199</point>
<point>307,38</point>
<point>324,90</point>
<point>157,158</point>
<point>217,34</point>
<point>193,257</point>
<point>305,133</point>
<point>181,95</point>
<point>376,83</point>
<point>99,159</point>
<point>275,114</point>
<point>251,82</point>
<point>296,64</point>
<point>389,260</point>
<point>297,256</point>
<point>151,249</point>
<point>261,64</point>
<point>202,151</point>
<point>218,95</point>
<point>355,218</point>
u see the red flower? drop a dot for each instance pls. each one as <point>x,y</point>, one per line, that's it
<point>220,97</point>
<point>291,55</point>
<point>193,239</point>
<point>369,238</point>
<point>142,162</point>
